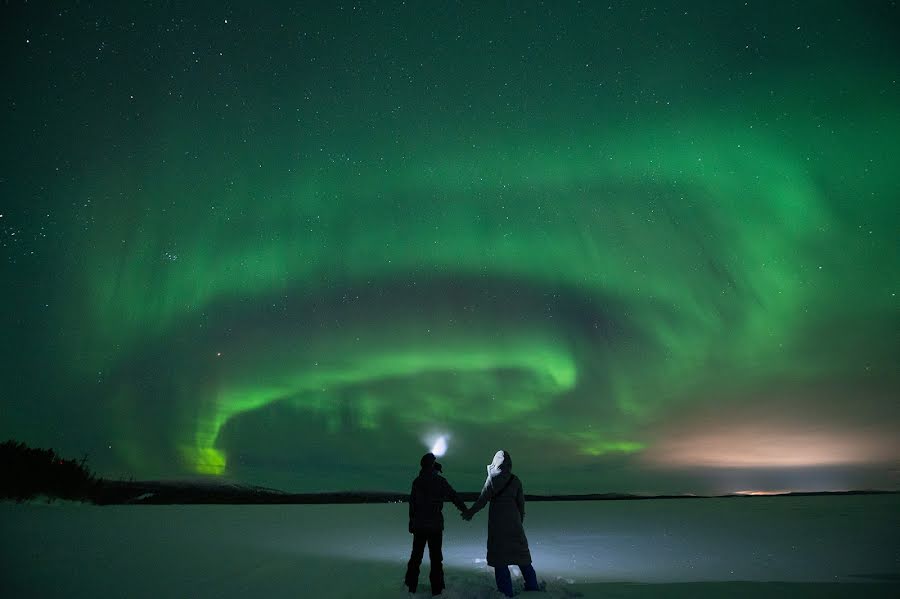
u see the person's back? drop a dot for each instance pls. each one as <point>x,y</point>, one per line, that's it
<point>426,522</point>
<point>506,541</point>
<point>426,501</point>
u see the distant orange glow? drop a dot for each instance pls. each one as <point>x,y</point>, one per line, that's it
<point>762,493</point>
<point>761,445</point>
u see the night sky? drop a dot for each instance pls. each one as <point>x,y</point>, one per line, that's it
<point>647,249</point>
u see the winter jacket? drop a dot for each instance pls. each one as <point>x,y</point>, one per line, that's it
<point>426,501</point>
<point>506,542</point>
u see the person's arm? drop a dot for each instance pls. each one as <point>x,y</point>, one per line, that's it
<point>412,505</point>
<point>486,493</point>
<point>520,500</point>
<point>451,495</point>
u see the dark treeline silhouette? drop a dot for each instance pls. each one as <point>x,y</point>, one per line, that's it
<point>27,472</point>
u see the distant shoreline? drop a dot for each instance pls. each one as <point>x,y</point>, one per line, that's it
<point>174,493</point>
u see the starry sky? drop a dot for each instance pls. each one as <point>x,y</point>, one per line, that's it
<point>642,248</point>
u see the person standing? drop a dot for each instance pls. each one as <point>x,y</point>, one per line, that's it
<point>506,541</point>
<point>426,522</point>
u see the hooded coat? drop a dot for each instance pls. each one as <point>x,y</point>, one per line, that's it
<point>506,541</point>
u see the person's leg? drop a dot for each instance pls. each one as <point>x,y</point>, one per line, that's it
<point>530,577</point>
<point>504,580</point>
<point>415,560</point>
<point>436,556</point>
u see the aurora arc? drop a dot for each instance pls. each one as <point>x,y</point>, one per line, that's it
<point>589,241</point>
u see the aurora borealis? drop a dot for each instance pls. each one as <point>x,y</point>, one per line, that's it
<point>643,249</point>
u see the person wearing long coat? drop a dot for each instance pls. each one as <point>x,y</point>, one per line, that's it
<point>506,541</point>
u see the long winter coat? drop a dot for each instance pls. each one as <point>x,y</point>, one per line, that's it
<point>506,542</point>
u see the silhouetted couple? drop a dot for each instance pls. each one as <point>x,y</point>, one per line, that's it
<point>506,542</point>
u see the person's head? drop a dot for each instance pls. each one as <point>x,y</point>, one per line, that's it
<point>438,467</point>
<point>427,461</point>
<point>501,463</point>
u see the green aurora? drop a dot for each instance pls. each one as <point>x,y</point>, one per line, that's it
<point>283,247</point>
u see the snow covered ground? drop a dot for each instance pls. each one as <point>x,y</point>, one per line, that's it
<point>787,547</point>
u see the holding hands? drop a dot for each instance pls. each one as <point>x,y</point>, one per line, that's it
<point>467,515</point>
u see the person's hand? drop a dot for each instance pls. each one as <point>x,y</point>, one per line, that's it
<point>467,515</point>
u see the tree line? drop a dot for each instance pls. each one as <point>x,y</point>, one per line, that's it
<point>28,472</point>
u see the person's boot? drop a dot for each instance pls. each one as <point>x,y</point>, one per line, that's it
<point>504,580</point>
<point>528,573</point>
<point>411,580</point>
<point>436,577</point>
